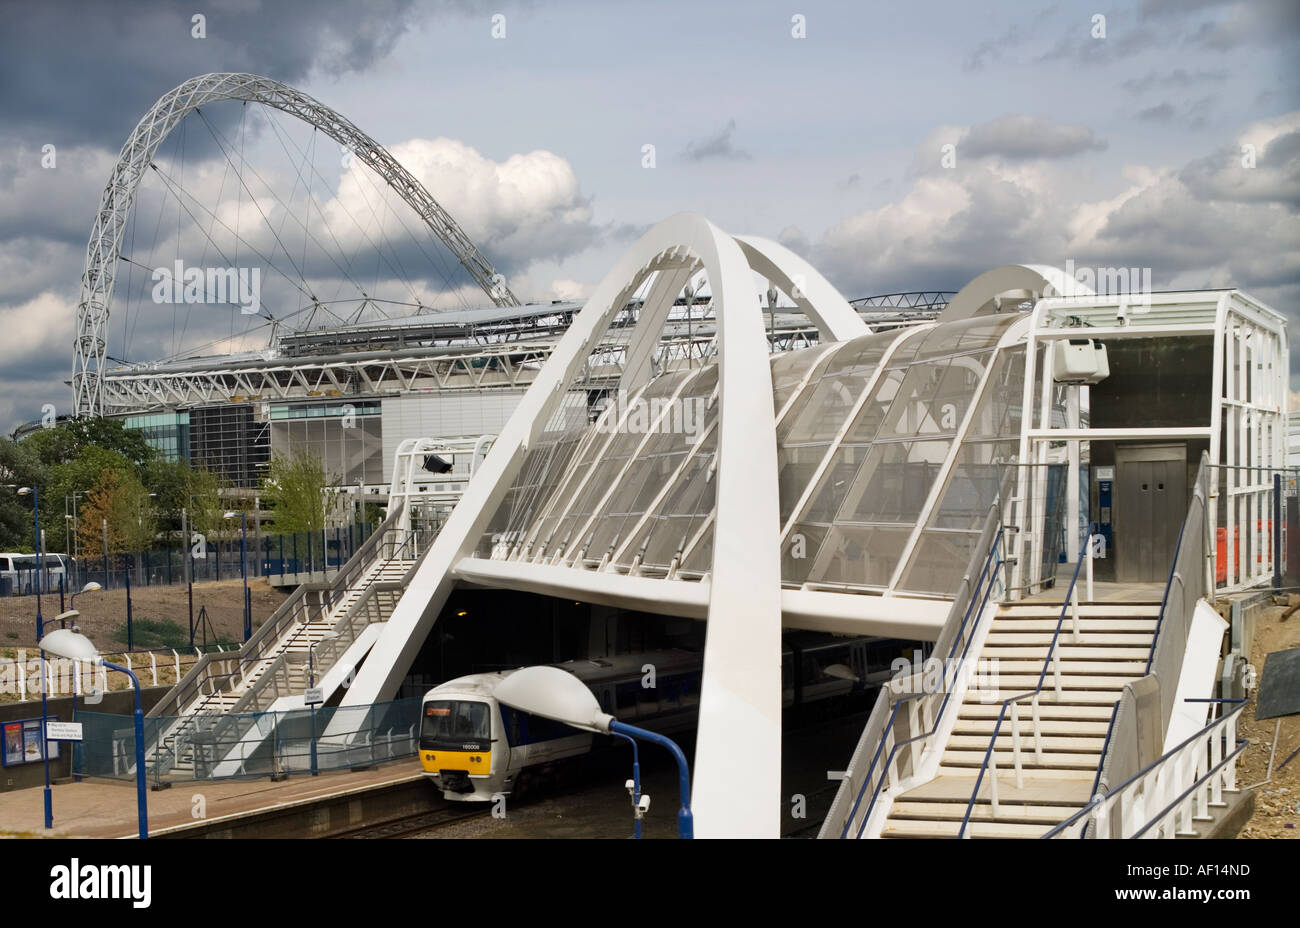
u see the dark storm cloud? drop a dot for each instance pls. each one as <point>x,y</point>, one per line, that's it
<point>82,72</point>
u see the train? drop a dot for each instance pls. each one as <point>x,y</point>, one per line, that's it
<point>475,749</point>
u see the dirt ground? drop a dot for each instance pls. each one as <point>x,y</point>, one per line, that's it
<point>103,612</point>
<point>1277,803</point>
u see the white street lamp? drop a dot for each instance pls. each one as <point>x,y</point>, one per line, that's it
<point>554,694</point>
<point>74,646</point>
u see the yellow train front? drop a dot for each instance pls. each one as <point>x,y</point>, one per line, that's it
<point>474,749</point>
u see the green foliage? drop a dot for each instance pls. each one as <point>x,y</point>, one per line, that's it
<point>19,466</point>
<point>119,503</point>
<point>206,508</point>
<point>77,476</point>
<point>68,440</point>
<point>299,490</point>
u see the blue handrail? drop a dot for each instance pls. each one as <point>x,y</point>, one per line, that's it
<point>1161,759</point>
<point>889,725</point>
<point>1047,661</point>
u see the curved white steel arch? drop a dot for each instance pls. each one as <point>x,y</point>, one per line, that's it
<point>1036,280</point>
<point>820,301</point>
<point>738,749</point>
<point>137,153</point>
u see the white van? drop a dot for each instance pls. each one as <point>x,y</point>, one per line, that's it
<point>18,571</point>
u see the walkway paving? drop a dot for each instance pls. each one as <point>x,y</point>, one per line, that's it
<point>100,808</point>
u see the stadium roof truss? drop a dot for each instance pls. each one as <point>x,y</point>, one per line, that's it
<point>106,236</point>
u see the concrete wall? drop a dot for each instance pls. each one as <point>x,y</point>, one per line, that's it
<point>444,415</point>
<point>22,776</point>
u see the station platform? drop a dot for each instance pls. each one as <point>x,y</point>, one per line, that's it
<point>301,806</point>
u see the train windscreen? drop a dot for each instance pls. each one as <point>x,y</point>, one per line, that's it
<point>456,725</point>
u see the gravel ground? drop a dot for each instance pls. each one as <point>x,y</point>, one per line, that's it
<point>1277,803</point>
<point>102,612</point>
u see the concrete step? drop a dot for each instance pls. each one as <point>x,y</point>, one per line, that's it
<point>933,829</point>
<point>956,772</point>
<point>1080,744</point>
<point>1048,710</point>
<point>1110,610</point>
<point>1019,682</point>
<point>1085,651</point>
<point>1108,626</point>
<point>1019,813</point>
<point>1070,668</point>
<point>1099,640</point>
<point>1049,726</point>
<point>1059,760</point>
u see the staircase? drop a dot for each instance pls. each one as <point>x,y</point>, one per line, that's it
<point>1059,757</point>
<point>315,629</point>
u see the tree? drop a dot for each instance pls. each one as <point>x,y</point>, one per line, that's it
<point>68,440</point>
<point>121,502</point>
<point>18,466</point>
<point>76,478</point>
<point>203,495</point>
<point>300,492</point>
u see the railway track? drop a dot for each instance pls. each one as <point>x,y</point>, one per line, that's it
<point>425,821</point>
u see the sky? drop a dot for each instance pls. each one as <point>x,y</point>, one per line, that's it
<point>896,146</point>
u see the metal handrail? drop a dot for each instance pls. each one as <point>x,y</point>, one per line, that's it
<point>1164,600</point>
<point>251,701</point>
<point>1098,800</point>
<point>993,531</point>
<point>250,651</point>
<point>1042,676</point>
<point>898,704</point>
<point>1200,494</point>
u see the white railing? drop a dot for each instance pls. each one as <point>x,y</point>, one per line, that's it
<point>1163,800</point>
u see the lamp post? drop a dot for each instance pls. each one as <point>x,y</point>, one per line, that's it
<point>243,570</point>
<point>633,787</point>
<point>75,646</point>
<point>554,694</point>
<point>90,587</point>
<point>311,685</point>
<point>40,634</point>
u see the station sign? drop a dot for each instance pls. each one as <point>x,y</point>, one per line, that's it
<point>313,697</point>
<point>63,731</point>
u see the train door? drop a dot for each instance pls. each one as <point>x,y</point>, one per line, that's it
<point>1149,506</point>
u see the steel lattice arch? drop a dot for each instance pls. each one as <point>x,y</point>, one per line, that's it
<point>106,235</point>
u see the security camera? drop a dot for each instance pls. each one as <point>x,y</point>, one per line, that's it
<point>644,805</point>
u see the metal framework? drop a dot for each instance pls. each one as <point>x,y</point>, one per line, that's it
<point>737,783</point>
<point>105,245</point>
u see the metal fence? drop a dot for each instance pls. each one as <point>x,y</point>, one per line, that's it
<point>215,747</point>
<point>269,556</point>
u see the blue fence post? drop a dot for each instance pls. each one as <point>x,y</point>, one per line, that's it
<point>130,627</point>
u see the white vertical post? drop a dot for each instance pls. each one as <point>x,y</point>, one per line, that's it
<point>1089,569</point>
<point>1015,745</point>
<point>153,667</point>
<point>1038,732</point>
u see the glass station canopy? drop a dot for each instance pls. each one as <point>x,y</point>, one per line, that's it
<point>891,448</point>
